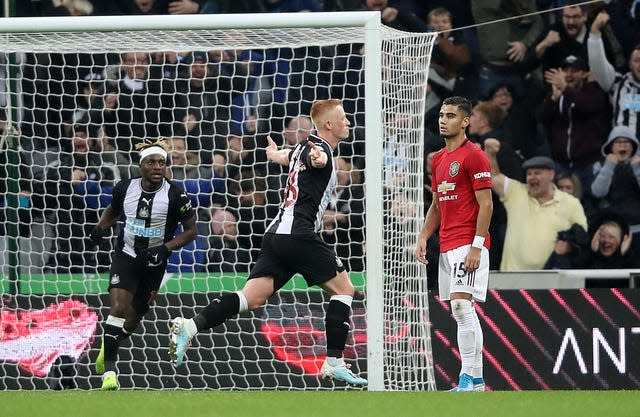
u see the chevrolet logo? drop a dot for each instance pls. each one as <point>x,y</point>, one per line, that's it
<point>444,187</point>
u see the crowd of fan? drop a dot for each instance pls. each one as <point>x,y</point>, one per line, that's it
<point>562,84</point>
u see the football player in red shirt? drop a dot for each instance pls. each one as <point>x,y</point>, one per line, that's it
<point>462,208</point>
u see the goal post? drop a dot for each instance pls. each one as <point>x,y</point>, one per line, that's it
<point>269,60</point>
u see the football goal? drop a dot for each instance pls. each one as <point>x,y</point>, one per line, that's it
<point>77,94</point>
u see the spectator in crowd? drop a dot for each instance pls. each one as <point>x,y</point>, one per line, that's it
<point>536,211</point>
<point>571,246</point>
<point>292,6</point>
<point>486,122</point>
<point>225,254</point>
<point>343,219</point>
<point>617,178</point>
<point>77,186</point>
<point>298,129</point>
<point>185,164</point>
<point>624,88</point>
<point>569,37</point>
<point>395,154</point>
<point>611,245</point>
<point>520,126</point>
<point>347,82</point>
<point>450,59</point>
<point>136,7</point>
<point>608,247</point>
<point>505,55</point>
<point>625,22</point>
<point>168,69</point>
<point>204,98</point>
<point>570,184</point>
<point>89,99</point>
<point>137,109</point>
<point>240,155</point>
<point>397,19</point>
<point>203,184</point>
<point>253,213</point>
<point>576,116</point>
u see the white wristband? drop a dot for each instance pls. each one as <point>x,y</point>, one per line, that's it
<point>478,242</point>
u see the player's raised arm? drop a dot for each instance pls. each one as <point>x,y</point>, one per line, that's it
<point>278,156</point>
<point>317,155</point>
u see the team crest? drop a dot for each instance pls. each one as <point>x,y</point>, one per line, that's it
<point>454,168</point>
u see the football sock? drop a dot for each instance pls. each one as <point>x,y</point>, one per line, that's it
<point>477,361</point>
<point>124,335</point>
<point>113,332</point>
<point>463,313</point>
<point>218,311</point>
<point>337,324</point>
<point>334,361</point>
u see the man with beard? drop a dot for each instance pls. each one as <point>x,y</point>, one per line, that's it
<point>536,211</point>
<point>569,37</point>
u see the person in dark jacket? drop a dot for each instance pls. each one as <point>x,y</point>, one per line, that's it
<point>576,117</point>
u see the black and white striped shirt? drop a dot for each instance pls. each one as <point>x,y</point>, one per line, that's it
<point>623,89</point>
<point>307,192</point>
<point>150,218</point>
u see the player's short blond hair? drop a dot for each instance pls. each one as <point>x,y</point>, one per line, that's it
<point>320,108</point>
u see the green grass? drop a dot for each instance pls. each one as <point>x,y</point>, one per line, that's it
<point>318,404</point>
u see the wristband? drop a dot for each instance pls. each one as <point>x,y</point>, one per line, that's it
<point>478,242</point>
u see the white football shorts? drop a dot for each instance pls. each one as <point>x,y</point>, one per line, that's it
<point>453,277</point>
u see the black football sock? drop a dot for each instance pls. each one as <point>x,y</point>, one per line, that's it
<point>218,311</point>
<point>112,336</point>
<point>337,327</point>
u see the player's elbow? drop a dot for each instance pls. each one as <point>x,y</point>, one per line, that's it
<point>190,234</point>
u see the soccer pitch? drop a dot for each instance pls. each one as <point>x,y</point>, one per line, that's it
<point>320,404</point>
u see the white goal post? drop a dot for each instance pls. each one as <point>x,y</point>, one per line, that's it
<point>387,150</point>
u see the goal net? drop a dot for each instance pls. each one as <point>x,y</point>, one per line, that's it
<point>77,94</point>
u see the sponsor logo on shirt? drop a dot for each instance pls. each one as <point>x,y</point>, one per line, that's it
<point>136,227</point>
<point>479,175</point>
<point>444,187</point>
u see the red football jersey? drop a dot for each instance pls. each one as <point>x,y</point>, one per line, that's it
<point>455,177</point>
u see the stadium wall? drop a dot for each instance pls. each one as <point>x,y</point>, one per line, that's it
<point>534,340</point>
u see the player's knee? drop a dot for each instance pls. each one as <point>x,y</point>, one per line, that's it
<point>462,310</point>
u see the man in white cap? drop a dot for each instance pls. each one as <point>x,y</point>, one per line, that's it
<point>151,208</point>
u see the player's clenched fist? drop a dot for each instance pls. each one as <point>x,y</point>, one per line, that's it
<point>318,156</point>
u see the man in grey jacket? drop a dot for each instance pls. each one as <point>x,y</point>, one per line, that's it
<point>617,178</point>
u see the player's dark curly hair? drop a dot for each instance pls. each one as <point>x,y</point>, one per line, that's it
<point>161,142</point>
<point>463,104</point>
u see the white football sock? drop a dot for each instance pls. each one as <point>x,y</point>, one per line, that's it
<point>190,325</point>
<point>477,360</point>
<point>462,311</point>
<point>334,361</point>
